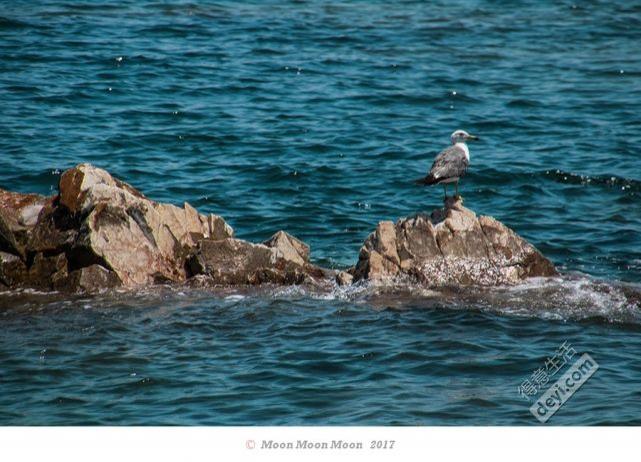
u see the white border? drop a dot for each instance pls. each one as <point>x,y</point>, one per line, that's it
<point>110,444</point>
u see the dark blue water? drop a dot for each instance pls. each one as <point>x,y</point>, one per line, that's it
<point>313,116</point>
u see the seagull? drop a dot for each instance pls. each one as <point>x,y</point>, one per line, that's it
<point>450,165</point>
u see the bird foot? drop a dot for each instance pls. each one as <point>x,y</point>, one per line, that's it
<point>458,198</point>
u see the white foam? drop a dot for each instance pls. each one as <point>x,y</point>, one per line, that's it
<point>234,298</point>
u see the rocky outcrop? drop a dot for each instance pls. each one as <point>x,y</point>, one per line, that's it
<point>452,246</point>
<point>100,232</point>
<point>142,241</point>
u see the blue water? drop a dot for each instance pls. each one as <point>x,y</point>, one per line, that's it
<point>313,117</point>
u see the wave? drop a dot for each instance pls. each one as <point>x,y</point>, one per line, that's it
<point>611,181</point>
<point>492,175</point>
<point>572,297</point>
<point>9,24</point>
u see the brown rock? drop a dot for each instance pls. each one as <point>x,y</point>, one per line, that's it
<point>291,248</point>
<point>56,231</point>
<point>344,278</point>
<point>140,240</point>
<point>417,241</point>
<point>236,262</point>
<point>18,215</point>
<point>218,227</point>
<point>451,247</point>
<point>99,232</point>
<point>13,271</point>
<point>75,182</point>
<point>91,278</point>
<point>45,269</point>
<point>81,186</point>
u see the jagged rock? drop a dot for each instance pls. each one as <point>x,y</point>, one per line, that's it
<point>344,278</point>
<point>293,249</point>
<point>84,185</point>
<point>142,241</point>
<point>18,215</point>
<point>13,270</point>
<point>282,259</point>
<point>451,247</point>
<point>56,230</point>
<point>100,232</point>
<point>91,278</point>
<point>46,269</point>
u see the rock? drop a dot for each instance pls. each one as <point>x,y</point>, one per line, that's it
<point>291,248</point>
<point>18,215</point>
<point>282,259</point>
<point>82,185</point>
<point>46,269</point>
<point>13,270</point>
<point>452,246</point>
<point>91,278</point>
<point>344,278</point>
<point>100,232</point>
<point>142,241</point>
<point>56,230</point>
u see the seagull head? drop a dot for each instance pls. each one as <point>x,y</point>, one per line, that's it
<point>461,136</point>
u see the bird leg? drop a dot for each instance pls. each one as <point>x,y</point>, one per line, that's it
<point>445,192</point>
<point>457,197</point>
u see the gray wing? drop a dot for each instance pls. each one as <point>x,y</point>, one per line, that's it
<point>450,163</point>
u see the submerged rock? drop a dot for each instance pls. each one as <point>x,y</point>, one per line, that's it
<point>452,246</point>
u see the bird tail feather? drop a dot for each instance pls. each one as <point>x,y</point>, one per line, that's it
<point>425,181</point>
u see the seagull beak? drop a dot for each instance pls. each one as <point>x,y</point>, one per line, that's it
<point>473,138</point>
